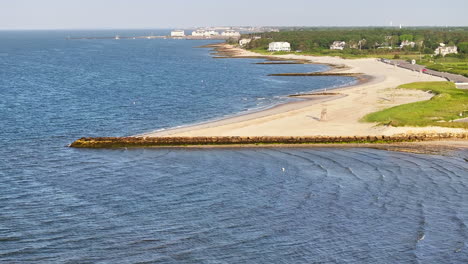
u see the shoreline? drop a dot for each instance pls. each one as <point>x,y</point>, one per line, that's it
<point>304,99</point>
<point>345,106</point>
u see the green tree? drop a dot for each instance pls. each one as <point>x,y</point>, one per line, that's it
<point>463,47</point>
<point>407,37</point>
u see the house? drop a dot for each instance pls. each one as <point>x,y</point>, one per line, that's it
<point>338,45</point>
<point>444,50</point>
<point>231,33</point>
<point>244,42</point>
<point>406,43</point>
<point>177,33</point>
<point>279,46</point>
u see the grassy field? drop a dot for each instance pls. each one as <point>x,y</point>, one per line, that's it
<point>460,67</point>
<point>447,105</point>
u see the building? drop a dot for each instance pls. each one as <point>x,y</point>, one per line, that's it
<point>177,33</point>
<point>406,43</point>
<point>198,33</point>
<point>204,33</point>
<point>244,42</point>
<point>212,33</point>
<point>444,50</point>
<point>279,46</point>
<point>231,33</point>
<point>338,45</point>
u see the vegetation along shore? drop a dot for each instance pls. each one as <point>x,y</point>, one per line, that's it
<point>419,44</point>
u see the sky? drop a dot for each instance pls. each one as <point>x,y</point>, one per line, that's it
<point>123,14</point>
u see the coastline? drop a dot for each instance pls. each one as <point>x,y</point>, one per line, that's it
<point>345,106</point>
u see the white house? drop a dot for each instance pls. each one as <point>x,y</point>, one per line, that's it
<point>338,45</point>
<point>279,46</point>
<point>177,33</point>
<point>444,50</point>
<point>407,43</point>
<point>231,33</point>
<point>244,42</point>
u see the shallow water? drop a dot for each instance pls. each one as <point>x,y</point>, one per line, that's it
<point>62,205</point>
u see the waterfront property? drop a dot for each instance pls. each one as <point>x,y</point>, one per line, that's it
<point>279,46</point>
<point>198,33</point>
<point>177,33</point>
<point>338,45</point>
<point>231,33</point>
<point>204,33</point>
<point>444,50</point>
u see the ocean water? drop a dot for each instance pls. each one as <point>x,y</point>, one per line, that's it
<point>63,205</point>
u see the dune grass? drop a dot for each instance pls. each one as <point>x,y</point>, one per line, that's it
<point>452,67</point>
<point>446,105</point>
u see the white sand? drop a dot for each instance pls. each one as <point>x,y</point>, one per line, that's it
<point>343,112</point>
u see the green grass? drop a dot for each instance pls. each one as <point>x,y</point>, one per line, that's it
<point>446,105</point>
<point>444,64</point>
<point>452,67</point>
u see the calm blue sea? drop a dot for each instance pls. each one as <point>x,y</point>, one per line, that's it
<point>63,205</point>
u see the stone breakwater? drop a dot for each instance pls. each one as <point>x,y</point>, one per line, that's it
<point>141,142</point>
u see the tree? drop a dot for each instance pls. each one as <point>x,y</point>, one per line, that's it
<point>407,37</point>
<point>463,47</point>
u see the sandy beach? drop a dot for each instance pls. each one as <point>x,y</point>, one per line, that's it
<point>344,109</point>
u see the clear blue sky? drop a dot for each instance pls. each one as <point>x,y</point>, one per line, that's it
<point>84,14</point>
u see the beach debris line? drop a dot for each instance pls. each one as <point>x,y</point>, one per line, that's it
<point>136,142</point>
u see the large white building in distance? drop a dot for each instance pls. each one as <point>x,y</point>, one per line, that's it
<point>231,33</point>
<point>204,33</point>
<point>177,33</point>
<point>279,46</point>
<point>444,50</point>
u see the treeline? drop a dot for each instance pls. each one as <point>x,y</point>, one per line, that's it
<point>364,39</point>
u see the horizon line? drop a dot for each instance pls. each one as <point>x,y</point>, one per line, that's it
<point>193,27</point>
